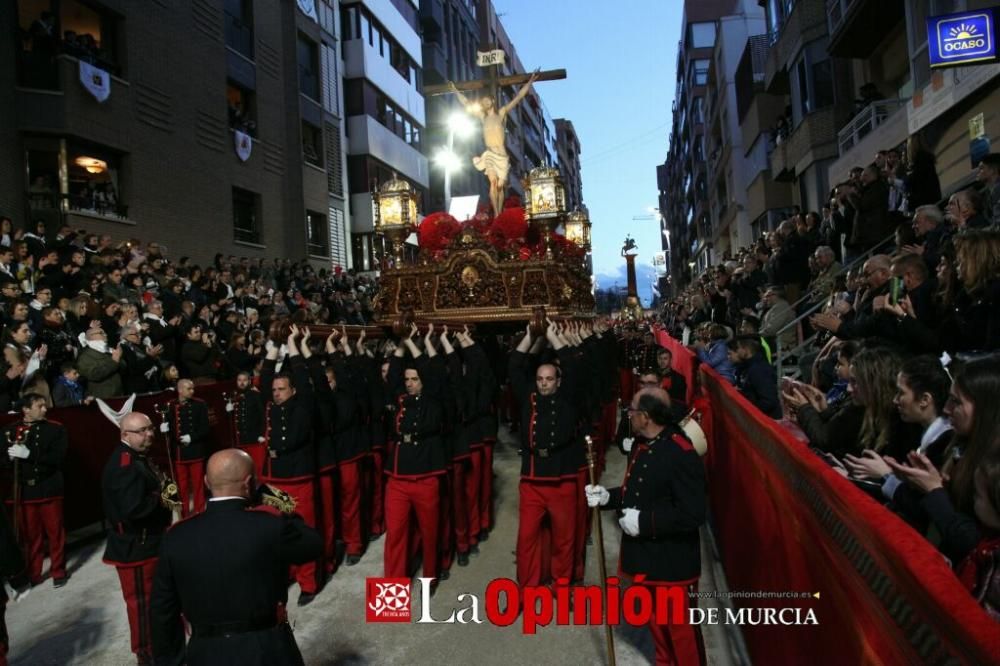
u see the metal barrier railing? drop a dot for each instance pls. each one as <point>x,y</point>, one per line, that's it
<point>781,354</point>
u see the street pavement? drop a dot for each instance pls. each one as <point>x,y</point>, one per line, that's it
<point>85,623</point>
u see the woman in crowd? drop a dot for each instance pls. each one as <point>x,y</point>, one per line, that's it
<point>954,497</point>
<point>921,392</point>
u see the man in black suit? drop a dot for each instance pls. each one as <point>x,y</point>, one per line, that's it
<point>238,617</point>
<point>662,506</point>
<point>672,381</point>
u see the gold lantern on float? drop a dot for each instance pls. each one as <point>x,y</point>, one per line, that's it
<point>546,201</point>
<point>395,213</point>
<point>578,229</point>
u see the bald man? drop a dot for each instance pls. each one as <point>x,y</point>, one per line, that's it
<point>662,508</point>
<point>226,571</point>
<point>188,426</point>
<point>131,487</point>
<point>551,453</point>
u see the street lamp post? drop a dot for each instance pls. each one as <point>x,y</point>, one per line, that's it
<point>461,125</point>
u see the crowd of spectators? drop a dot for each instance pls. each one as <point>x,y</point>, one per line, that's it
<point>85,317</point>
<point>889,303</point>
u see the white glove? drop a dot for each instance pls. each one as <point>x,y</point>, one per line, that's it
<point>230,407</point>
<point>185,439</point>
<point>18,451</point>
<point>260,439</point>
<point>627,444</point>
<point>164,427</point>
<point>630,522</point>
<point>596,495</point>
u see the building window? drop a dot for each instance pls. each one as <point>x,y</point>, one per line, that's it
<point>312,144</point>
<point>242,109</point>
<point>700,68</point>
<point>334,167</point>
<point>326,16</point>
<point>246,216</point>
<point>94,183</point>
<point>338,231</point>
<point>308,60</point>
<point>317,234</point>
<point>701,35</point>
<point>331,101</point>
<point>239,26</point>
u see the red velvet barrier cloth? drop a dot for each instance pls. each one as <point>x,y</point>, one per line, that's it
<point>784,521</point>
<point>92,438</point>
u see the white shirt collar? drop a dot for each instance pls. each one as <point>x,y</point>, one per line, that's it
<point>938,427</point>
<point>227,497</point>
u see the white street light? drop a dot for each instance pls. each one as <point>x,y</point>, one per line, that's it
<point>447,160</point>
<point>461,125</point>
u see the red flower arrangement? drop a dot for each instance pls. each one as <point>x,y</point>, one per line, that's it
<point>510,224</point>
<point>436,231</point>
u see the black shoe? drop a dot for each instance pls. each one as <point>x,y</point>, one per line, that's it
<point>375,536</point>
<point>306,598</point>
<point>445,575</point>
<point>484,536</point>
<point>463,559</point>
<point>590,540</point>
<point>474,550</point>
<point>60,582</point>
<point>351,560</point>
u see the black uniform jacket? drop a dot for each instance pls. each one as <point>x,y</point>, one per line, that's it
<point>136,518</point>
<point>41,472</point>
<point>551,446</point>
<point>473,388</point>
<point>189,418</point>
<point>665,481</point>
<point>341,435</point>
<point>226,571</point>
<point>419,448</point>
<point>248,410</point>
<point>288,426</point>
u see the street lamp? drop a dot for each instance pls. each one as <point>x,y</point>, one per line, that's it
<point>459,124</point>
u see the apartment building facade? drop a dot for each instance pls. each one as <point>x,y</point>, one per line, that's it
<point>568,152</point>
<point>235,138</point>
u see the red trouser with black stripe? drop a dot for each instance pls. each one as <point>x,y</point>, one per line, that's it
<point>137,588</point>
<point>257,452</point>
<point>538,498</point>
<point>351,484</point>
<point>303,489</point>
<point>377,497</point>
<point>327,523</point>
<point>190,475</point>
<point>403,498</point>
<point>40,520</point>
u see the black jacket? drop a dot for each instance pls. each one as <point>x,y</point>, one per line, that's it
<point>665,481</point>
<point>288,427</point>
<point>189,418</point>
<point>757,381</point>
<point>248,414</point>
<point>473,391</point>
<point>136,518</point>
<point>551,445</point>
<point>419,448</point>
<point>226,571</point>
<point>41,473</point>
<point>341,436</point>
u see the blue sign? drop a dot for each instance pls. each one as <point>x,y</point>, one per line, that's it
<point>960,39</point>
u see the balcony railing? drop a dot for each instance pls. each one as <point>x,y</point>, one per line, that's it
<point>70,203</point>
<point>867,120</point>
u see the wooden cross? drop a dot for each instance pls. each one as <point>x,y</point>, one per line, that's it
<point>494,82</point>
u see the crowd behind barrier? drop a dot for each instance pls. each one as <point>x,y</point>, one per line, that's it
<point>786,522</point>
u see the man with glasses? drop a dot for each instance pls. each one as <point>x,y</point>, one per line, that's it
<point>876,273</point>
<point>100,367</point>
<point>661,504</point>
<point>137,517</point>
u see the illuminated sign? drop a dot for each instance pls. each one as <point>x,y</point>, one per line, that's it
<point>961,39</point>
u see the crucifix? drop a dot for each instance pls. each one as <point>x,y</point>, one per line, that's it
<point>494,162</point>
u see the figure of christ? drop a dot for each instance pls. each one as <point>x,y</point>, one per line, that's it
<point>494,161</point>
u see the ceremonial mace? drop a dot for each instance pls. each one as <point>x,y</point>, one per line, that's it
<point>17,487</point>
<point>170,489</point>
<point>608,635</point>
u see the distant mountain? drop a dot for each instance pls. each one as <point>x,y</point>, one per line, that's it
<point>645,277</point>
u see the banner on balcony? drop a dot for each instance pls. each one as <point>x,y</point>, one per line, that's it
<point>962,38</point>
<point>308,7</point>
<point>95,80</point>
<point>243,144</point>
